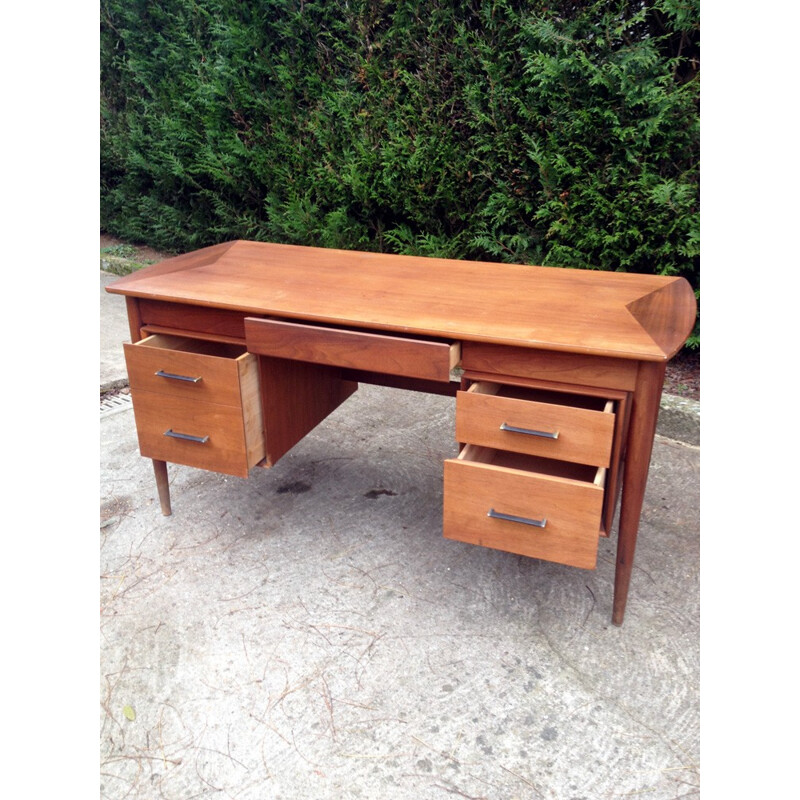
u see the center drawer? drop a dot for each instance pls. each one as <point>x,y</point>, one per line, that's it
<point>568,427</point>
<point>196,403</point>
<point>523,504</point>
<point>353,349</point>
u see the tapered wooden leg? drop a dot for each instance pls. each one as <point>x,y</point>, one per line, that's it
<point>162,483</point>
<point>644,415</point>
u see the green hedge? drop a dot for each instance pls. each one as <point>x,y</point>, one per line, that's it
<point>560,133</point>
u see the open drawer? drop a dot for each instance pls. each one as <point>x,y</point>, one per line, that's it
<point>568,427</point>
<point>352,349</point>
<point>524,504</point>
<point>196,403</point>
<point>214,372</point>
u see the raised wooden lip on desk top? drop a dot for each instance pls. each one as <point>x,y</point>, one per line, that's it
<point>623,315</point>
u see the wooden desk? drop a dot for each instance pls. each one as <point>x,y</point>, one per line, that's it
<point>240,349</point>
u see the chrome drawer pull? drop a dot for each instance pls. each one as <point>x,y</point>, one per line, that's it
<point>529,431</point>
<point>171,376</point>
<point>188,437</point>
<point>537,523</point>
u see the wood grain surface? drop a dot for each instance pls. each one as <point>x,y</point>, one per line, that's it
<point>614,314</point>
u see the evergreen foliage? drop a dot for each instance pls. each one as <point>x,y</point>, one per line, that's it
<point>558,133</point>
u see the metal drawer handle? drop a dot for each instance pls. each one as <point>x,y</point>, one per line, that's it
<point>536,523</point>
<point>188,437</point>
<point>172,376</point>
<point>529,431</point>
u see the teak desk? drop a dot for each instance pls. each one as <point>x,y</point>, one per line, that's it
<point>240,349</point>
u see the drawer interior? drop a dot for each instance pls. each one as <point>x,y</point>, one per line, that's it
<point>530,394</point>
<point>198,346</point>
<point>529,463</point>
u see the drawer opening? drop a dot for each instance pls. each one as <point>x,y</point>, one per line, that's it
<point>202,347</point>
<point>588,402</point>
<point>524,462</point>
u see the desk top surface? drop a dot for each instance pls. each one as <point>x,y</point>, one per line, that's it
<point>598,313</point>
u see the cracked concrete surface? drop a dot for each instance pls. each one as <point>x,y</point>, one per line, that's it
<point>308,633</point>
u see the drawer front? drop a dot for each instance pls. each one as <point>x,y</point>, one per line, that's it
<point>189,368</point>
<point>336,347</point>
<point>206,322</point>
<point>548,429</point>
<point>570,511</point>
<point>601,371</point>
<point>205,435</point>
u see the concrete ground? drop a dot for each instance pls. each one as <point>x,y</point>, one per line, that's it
<point>307,633</point>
